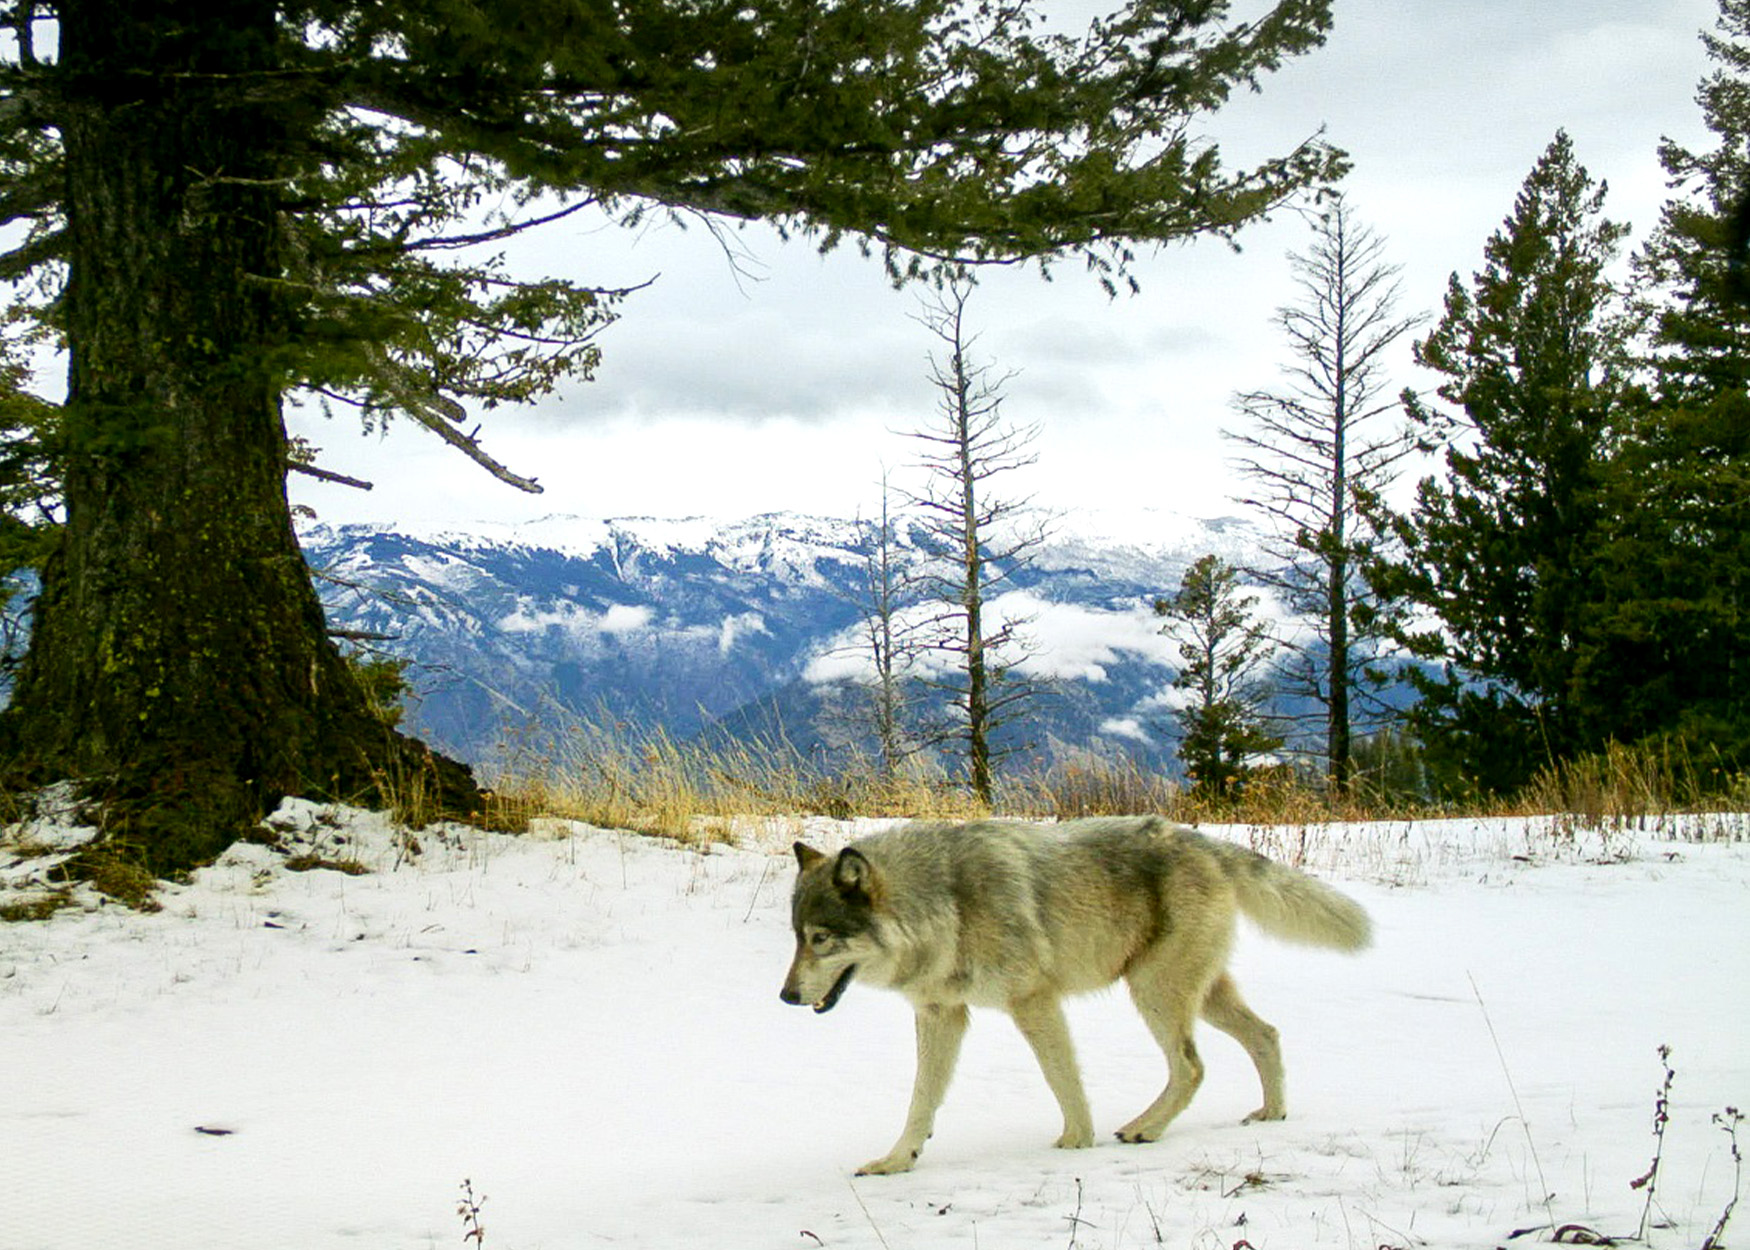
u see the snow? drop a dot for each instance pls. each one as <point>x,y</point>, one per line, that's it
<point>744,541</point>
<point>1122,542</point>
<point>585,1025</point>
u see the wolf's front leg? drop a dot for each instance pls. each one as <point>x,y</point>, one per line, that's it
<point>1041,1022</point>
<point>939,1032</point>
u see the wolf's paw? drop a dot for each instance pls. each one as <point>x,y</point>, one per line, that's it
<point>1135,1133</point>
<point>1075,1138</point>
<point>900,1160</point>
<point>1266,1113</point>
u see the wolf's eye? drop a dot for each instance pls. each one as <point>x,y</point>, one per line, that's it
<point>820,939</point>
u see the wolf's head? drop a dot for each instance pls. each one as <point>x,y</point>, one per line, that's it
<point>833,912</point>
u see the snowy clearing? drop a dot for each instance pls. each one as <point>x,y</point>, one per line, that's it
<point>586,1026</point>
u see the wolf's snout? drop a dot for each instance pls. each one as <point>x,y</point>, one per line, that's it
<point>789,995</point>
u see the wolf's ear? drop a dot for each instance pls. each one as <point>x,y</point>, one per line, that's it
<point>806,856</point>
<point>854,875</point>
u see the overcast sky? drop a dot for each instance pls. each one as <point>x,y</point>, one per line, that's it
<point>788,386</point>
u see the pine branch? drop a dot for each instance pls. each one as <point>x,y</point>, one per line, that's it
<point>340,479</point>
<point>437,412</point>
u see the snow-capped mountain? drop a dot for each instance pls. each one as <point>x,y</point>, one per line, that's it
<point>742,625</point>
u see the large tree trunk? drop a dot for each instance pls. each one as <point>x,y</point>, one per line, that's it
<point>179,662</point>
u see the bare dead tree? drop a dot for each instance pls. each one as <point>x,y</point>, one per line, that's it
<point>1317,452</point>
<point>979,538</point>
<point>888,636</point>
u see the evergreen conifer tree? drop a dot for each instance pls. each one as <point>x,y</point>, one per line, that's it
<point>1503,551</point>
<point>1223,648</point>
<point>1674,652</point>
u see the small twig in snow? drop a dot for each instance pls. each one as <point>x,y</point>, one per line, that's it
<point>1518,1107</point>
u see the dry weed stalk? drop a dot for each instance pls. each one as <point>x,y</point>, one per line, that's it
<point>1728,1122</point>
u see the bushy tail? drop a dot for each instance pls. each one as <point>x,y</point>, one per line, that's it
<point>1288,904</point>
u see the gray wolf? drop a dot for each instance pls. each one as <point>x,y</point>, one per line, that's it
<point>1014,915</point>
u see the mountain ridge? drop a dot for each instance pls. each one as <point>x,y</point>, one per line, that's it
<point>699,622</point>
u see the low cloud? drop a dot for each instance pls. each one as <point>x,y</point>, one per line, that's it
<point>738,626</point>
<point>1073,642</point>
<point>625,618</point>
<point>1065,642</point>
<point>1126,727</point>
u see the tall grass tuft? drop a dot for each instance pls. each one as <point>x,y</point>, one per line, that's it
<point>1092,787</point>
<point>1641,787</point>
<point>605,772</point>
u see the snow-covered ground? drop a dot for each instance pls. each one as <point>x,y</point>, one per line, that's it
<point>586,1026</point>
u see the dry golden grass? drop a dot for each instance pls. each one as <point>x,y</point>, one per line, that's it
<point>606,773</point>
<point>1632,787</point>
<point>1273,796</point>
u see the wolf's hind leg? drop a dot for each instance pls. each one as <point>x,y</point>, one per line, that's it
<point>1040,1019</point>
<point>1227,1011</point>
<point>940,1030</point>
<point>1170,1022</point>
<point>1168,987</point>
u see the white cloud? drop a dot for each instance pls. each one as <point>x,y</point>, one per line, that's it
<point>1064,641</point>
<point>621,620</point>
<point>527,619</point>
<point>625,618</point>
<point>737,626</point>
<point>1171,699</point>
<point>846,657</point>
<point>1126,727</point>
<point>1074,642</point>
<point>842,659</point>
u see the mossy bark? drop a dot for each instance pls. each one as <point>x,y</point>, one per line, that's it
<point>179,661</point>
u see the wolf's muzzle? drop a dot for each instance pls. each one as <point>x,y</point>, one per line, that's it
<point>838,988</point>
<point>828,1001</point>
